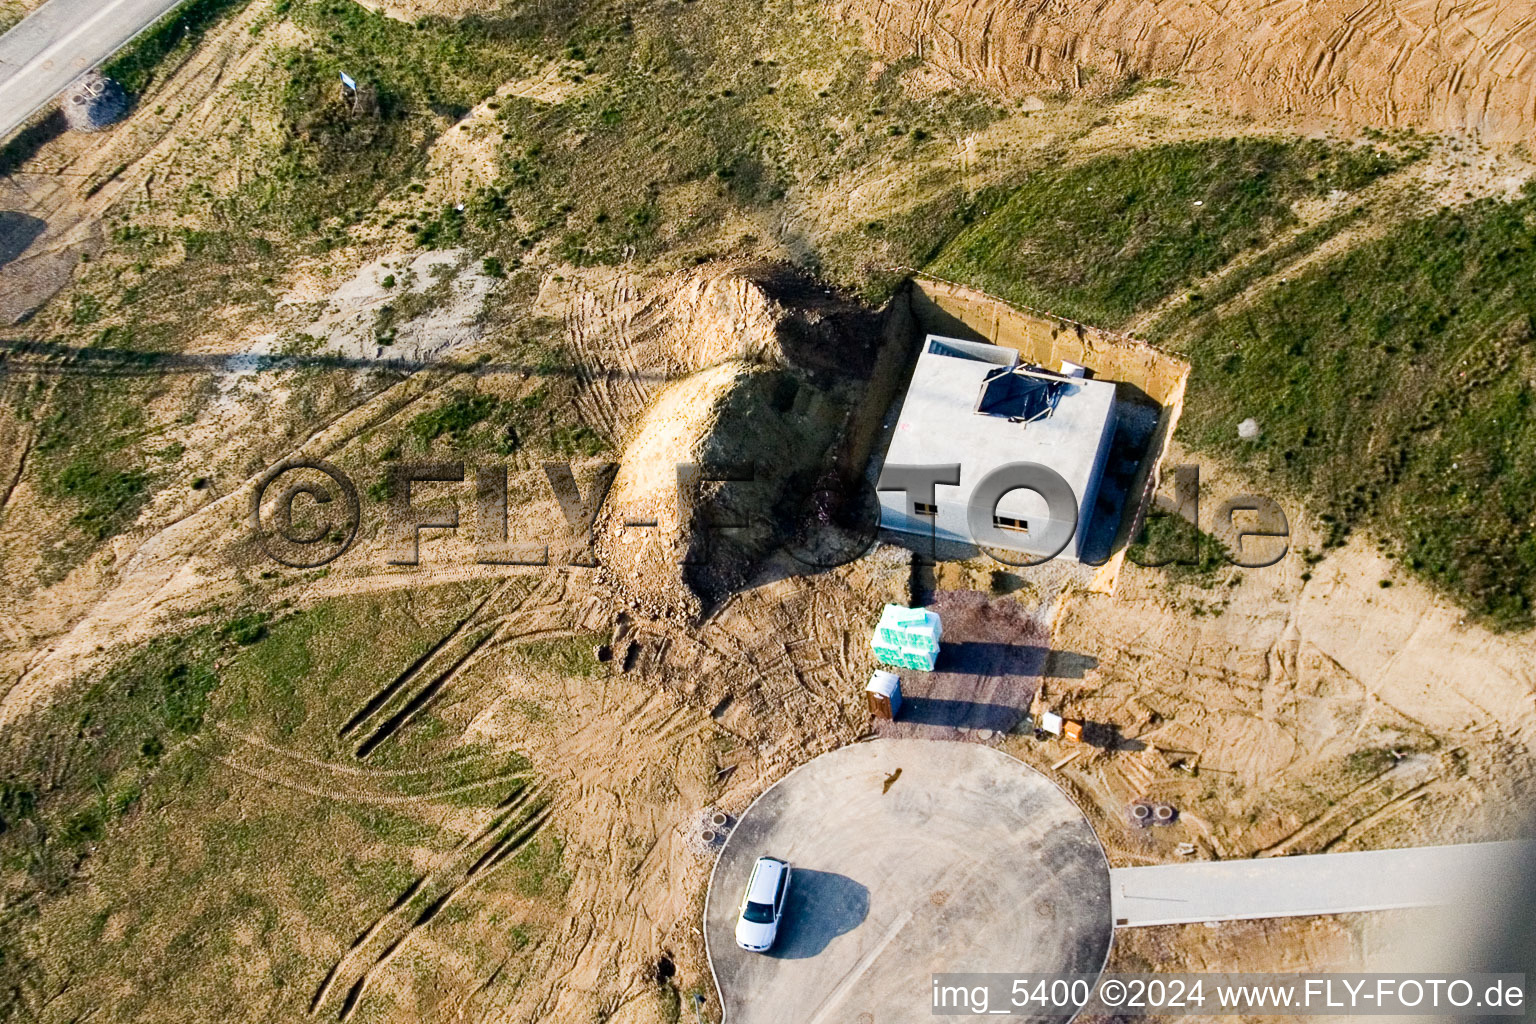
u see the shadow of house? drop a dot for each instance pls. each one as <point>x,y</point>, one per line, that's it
<point>949,713</point>
<point>988,669</point>
<point>822,905</point>
<point>989,657</point>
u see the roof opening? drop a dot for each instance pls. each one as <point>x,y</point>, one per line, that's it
<point>1022,394</point>
<point>976,351</point>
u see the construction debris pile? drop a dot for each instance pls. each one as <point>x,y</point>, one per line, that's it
<point>907,637</point>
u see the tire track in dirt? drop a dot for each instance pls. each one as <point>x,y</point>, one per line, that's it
<point>511,827</point>
<point>380,698</point>
<point>21,468</point>
<point>1355,807</point>
<point>1390,63</point>
<point>309,789</point>
<point>420,699</point>
<point>332,767</point>
<point>510,627</point>
<point>1391,809</point>
<point>607,336</point>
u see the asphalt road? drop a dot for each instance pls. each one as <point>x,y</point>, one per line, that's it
<point>1328,883</point>
<point>966,861</point>
<point>60,41</point>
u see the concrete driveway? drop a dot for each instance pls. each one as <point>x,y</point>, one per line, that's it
<point>1324,883</point>
<point>966,861</point>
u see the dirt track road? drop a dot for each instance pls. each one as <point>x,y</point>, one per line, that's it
<point>58,43</point>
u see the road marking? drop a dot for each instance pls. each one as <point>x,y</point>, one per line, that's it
<point>836,995</point>
<point>46,55</point>
<point>59,41</point>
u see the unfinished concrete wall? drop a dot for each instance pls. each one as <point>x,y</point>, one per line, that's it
<point>899,335</point>
<point>942,307</point>
<point>1041,338</point>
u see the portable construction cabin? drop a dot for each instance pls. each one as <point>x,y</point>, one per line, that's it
<point>884,695</point>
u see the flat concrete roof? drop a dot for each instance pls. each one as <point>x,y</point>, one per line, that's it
<point>939,424</point>
<point>966,861</point>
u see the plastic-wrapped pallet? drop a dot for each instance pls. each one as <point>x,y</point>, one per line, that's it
<point>909,627</point>
<point>906,657</point>
<point>907,637</point>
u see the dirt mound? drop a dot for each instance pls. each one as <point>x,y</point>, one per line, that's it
<point>1390,63</point>
<point>768,313</point>
<point>780,374</point>
<point>707,484</point>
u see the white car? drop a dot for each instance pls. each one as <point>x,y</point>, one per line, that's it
<point>763,905</point>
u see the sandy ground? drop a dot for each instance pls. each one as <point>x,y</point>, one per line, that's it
<point>1388,63</point>
<point>1240,700</point>
<point>1245,700</point>
<point>345,322</point>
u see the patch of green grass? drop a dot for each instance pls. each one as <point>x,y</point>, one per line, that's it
<point>455,418</point>
<point>391,827</point>
<point>18,802</point>
<point>1393,388</point>
<point>84,763</point>
<point>538,868</point>
<point>248,628</point>
<point>571,440</point>
<point>135,65</point>
<point>184,692</point>
<point>539,421</point>
<point>1171,543</point>
<point>90,454</point>
<point>1108,238</point>
<point>566,655</point>
<point>108,498</point>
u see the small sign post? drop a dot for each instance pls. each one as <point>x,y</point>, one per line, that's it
<point>350,95</point>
